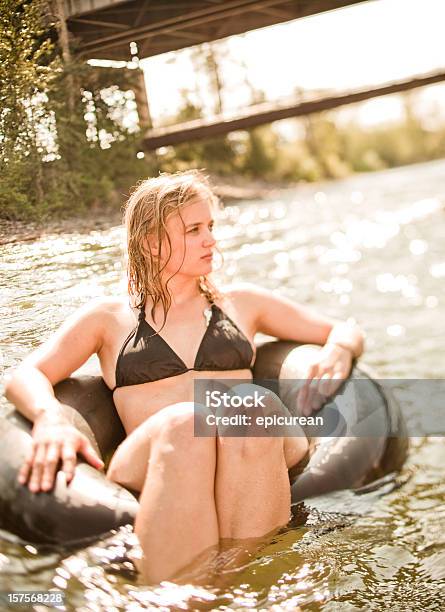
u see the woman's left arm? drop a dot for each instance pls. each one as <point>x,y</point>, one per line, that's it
<point>341,341</point>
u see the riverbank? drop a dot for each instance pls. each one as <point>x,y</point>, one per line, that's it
<point>235,189</point>
<point>369,272</point>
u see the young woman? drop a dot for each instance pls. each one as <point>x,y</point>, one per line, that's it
<point>173,327</point>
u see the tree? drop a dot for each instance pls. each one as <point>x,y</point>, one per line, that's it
<point>64,143</point>
<point>28,66</point>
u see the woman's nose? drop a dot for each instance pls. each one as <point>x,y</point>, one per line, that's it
<point>209,239</point>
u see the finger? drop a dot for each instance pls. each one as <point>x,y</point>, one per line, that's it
<point>69,458</point>
<point>37,468</point>
<point>49,469</point>
<point>324,384</point>
<point>312,402</point>
<point>307,398</point>
<point>336,382</point>
<point>303,400</point>
<point>311,393</point>
<point>316,396</point>
<point>311,373</point>
<point>302,397</point>
<point>25,470</point>
<point>91,456</point>
<point>318,402</point>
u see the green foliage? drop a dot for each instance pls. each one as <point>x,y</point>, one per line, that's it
<point>260,156</point>
<point>26,69</point>
<point>217,155</point>
<point>65,147</point>
<point>328,149</point>
<point>389,145</point>
<point>97,155</point>
<point>324,145</point>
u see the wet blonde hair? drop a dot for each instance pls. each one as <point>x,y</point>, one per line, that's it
<point>149,206</point>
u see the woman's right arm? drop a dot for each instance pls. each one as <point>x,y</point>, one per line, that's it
<point>30,388</point>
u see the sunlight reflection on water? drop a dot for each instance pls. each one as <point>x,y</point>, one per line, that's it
<point>370,247</point>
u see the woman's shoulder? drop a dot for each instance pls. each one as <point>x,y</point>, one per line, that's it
<point>243,296</point>
<point>104,307</point>
<point>243,292</point>
<point>255,300</point>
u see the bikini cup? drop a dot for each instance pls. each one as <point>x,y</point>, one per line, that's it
<point>146,357</point>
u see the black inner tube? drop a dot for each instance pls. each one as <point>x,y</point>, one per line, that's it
<point>92,505</point>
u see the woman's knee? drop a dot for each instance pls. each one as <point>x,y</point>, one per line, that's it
<point>132,455</point>
<point>127,468</point>
<point>169,435</point>
<point>176,428</point>
<point>176,420</point>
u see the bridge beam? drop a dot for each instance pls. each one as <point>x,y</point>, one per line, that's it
<point>267,113</point>
<point>104,29</point>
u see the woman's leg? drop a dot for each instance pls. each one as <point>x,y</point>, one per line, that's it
<point>252,490</point>
<point>189,499</point>
<point>177,518</point>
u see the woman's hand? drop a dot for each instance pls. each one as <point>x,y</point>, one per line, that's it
<point>54,439</point>
<point>324,376</point>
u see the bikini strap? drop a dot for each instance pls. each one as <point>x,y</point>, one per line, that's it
<point>141,315</point>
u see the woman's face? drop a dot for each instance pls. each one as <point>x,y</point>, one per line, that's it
<point>192,241</point>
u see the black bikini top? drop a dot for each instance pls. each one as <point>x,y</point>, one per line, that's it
<point>145,356</point>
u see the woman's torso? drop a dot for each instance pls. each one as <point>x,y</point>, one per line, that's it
<point>184,332</point>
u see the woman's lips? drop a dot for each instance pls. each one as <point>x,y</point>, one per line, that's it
<point>208,257</point>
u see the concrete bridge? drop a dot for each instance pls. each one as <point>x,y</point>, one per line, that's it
<point>104,29</point>
<point>119,30</point>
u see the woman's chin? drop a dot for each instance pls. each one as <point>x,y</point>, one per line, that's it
<point>207,265</point>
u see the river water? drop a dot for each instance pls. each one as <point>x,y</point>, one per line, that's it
<point>370,247</point>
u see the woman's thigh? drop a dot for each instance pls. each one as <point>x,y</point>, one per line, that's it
<point>129,463</point>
